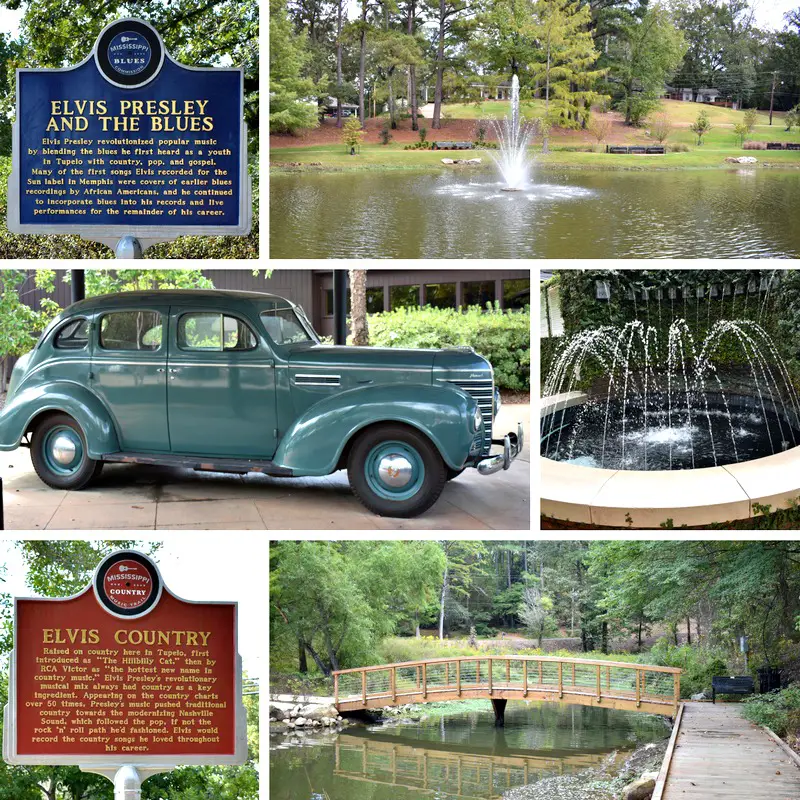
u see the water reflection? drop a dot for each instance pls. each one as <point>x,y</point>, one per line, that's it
<point>460,757</point>
<point>568,214</point>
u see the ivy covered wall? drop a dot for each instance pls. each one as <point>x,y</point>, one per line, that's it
<point>701,297</point>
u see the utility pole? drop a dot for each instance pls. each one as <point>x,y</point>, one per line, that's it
<point>772,95</point>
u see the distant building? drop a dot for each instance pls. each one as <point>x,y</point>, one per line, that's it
<point>689,95</point>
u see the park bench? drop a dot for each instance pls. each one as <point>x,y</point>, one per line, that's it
<point>452,145</point>
<point>793,145</point>
<point>637,150</point>
<point>613,148</point>
<point>656,150</point>
<point>774,145</point>
<point>740,684</point>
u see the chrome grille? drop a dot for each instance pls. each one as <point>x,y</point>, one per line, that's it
<point>483,392</point>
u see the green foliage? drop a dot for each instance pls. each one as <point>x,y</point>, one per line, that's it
<point>352,133</point>
<point>646,53</point>
<point>503,337</point>
<point>291,108</point>
<point>701,126</point>
<point>792,117</point>
<point>111,281</point>
<point>779,711</point>
<point>70,246</point>
<point>751,118</point>
<point>741,129</point>
<point>699,665</point>
<point>385,135</point>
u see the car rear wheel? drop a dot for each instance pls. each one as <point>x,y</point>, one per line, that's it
<point>59,454</point>
<point>396,471</point>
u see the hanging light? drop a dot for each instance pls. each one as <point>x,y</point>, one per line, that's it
<point>659,294</point>
<point>673,292</point>
<point>751,285</point>
<point>763,284</point>
<point>699,292</point>
<point>631,293</point>
<point>739,289</point>
<point>645,293</point>
<point>726,289</point>
<point>712,290</point>
<point>602,290</point>
<point>687,292</point>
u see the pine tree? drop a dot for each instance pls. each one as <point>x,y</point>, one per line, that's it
<point>567,60</point>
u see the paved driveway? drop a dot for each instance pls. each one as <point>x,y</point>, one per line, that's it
<point>137,497</point>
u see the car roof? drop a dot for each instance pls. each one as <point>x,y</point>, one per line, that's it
<point>173,297</point>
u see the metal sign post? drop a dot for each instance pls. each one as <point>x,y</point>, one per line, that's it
<point>125,679</point>
<point>129,147</point>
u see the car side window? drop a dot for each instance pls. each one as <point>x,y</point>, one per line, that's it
<point>131,330</point>
<point>211,332</point>
<point>73,336</point>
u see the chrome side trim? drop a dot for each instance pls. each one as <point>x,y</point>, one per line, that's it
<point>305,379</point>
<point>219,366</point>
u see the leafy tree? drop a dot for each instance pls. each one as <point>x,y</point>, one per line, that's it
<point>465,561</point>
<point>648,52</point>
<point>59,32</point>
<point>792,117</point>
<point>741,130</point>
<point>535,611</point>
<point>352,134</point>
<point>19,322</point>
<point>506,39</point>
<point>565,64</point>
<point>110,281</point>
<point>750,119</point>
<point>290,92</point>
<point>701,126</point>
<point>600,128</point>
<point>450,33</point>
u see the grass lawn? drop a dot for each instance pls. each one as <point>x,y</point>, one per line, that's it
<point>394,157</point>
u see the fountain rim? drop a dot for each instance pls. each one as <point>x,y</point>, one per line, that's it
<point>601,496</point>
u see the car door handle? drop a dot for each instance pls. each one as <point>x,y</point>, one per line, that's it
<point>174,370</point>
<point>161,369</point>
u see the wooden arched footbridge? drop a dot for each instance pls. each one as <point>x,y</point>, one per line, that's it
<point>611,684</point>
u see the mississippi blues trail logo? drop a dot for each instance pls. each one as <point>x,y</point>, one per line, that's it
<point>129,53</point>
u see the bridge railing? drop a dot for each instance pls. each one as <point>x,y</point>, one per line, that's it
<point>619,684</point>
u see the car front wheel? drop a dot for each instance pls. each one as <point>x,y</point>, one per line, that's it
<point>59,454</point>
<point>396,471</point>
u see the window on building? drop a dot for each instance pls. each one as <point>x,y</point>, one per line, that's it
<point>329,302</point>
<point>516,294</point>
<point>214,332</point>
<point>404,296</point>
<point>440,295</point>
<point>73,336</point>
<point>375,300</point>
<point>131,330</point>
<point>478,293</point>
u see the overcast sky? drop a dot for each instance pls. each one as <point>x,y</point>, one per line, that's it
<point>197,566</point>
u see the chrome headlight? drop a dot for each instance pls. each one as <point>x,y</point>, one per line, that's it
<point>497,401</point>
<point>477,419</point>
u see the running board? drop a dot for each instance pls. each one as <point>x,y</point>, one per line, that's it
<point>237,466</point>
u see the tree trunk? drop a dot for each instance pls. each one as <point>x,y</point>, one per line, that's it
<point>392,106</point>
<point>688,631</point>
<point>437,98</point>
<point>639,637</point>
<point>358,307</point>
<point>441,605</point>
<point>546,136</point>
<point>604,638</point>
<point>412,69</point>
<point>321,665</point>
<point>301,657</point>
<point>362,69</point>
<point>339,78</point>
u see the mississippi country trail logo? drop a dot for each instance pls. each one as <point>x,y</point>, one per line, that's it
<point>127,584</point>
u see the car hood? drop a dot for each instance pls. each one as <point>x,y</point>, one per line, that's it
<point>369,358</point>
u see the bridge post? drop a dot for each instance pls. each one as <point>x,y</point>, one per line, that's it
<point>499,708</point>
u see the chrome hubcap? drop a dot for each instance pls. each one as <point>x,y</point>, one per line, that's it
<point>395,470</point>
<point>63,449</point>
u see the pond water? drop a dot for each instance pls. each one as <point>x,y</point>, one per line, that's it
<point>460,756</point>
<point>736,213</point>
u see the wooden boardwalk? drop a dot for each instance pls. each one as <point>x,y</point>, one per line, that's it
<point>719,754</point>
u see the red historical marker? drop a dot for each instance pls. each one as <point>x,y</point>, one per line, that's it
<point>125,674</point>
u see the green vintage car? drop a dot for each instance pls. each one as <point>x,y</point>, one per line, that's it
<point>239,382</point>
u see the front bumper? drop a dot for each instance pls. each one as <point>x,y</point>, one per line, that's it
<point>512,447</point>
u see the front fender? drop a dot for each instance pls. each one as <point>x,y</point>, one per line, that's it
<point>314,442</point>
<point>67,397</point>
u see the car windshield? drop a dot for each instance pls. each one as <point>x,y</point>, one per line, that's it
<point>288,325</point>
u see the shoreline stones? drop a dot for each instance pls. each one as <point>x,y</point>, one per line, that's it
<point>741,160</point>
<point>453,161</point>
<point>310,717</point>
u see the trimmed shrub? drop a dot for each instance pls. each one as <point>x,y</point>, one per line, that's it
<point>779,711</point>
<point>699,664</point>
<point>502,337</point>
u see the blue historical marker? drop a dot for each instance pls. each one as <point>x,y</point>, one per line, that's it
<point>129,147</point>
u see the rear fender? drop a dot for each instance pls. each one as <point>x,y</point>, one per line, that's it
<point>64,397</point>
<point>314,443</point>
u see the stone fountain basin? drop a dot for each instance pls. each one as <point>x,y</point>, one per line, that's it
<point>646,499</point>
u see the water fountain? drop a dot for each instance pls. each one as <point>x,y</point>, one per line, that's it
<point>691,419</point>
<point>513,138</point>
<point>664,402</point>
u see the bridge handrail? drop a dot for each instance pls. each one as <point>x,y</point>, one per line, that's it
<point>637,693</point>
<point>483,657</point>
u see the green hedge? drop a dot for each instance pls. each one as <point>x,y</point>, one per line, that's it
<point>28,246</point>
<point>779,711</point>
<point>502,337</point>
